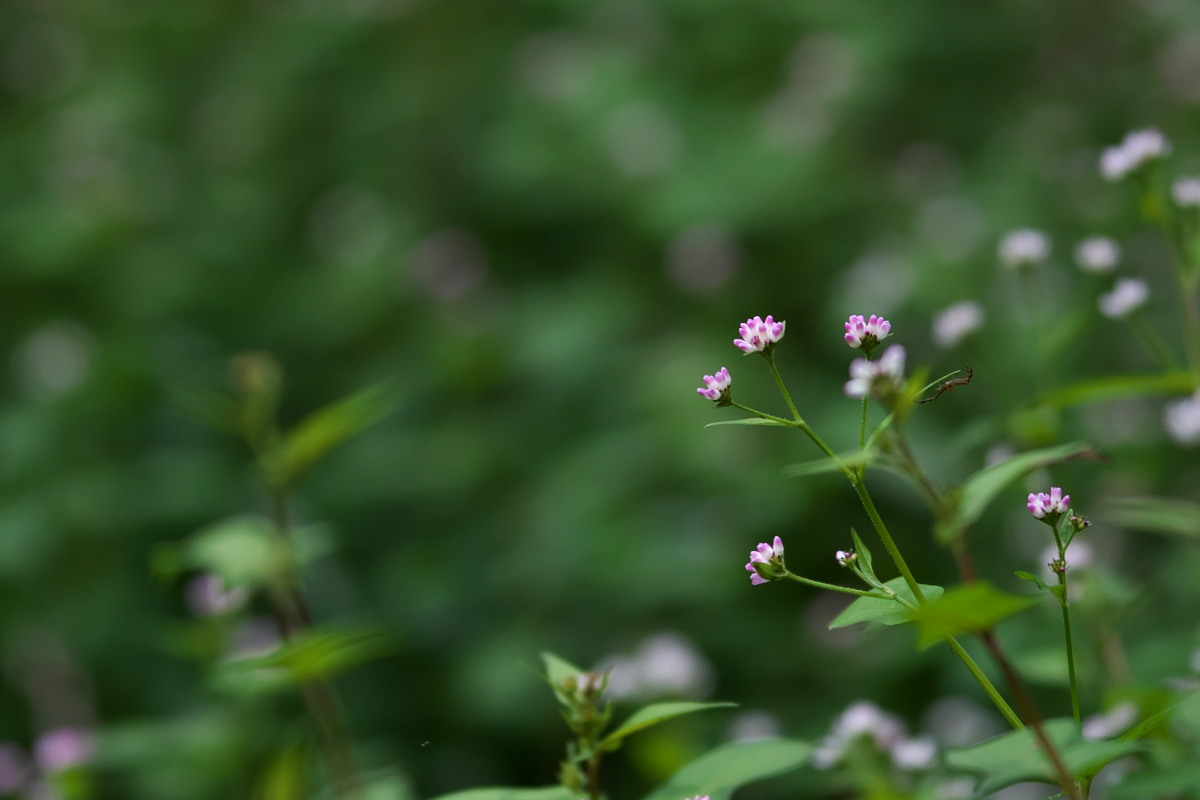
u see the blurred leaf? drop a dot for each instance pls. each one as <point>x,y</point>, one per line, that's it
<point>1015,757</point>
<point>884,611</point>
<point>286,775</point>
<point>719,772</point>
<point>559,669</point>
<point>819,466</point>
<point>984,486</point>
<point>1156,514</point>
<point>242,550</point>
<point>654,714</point>
<point>1150,784</point>
<point>749,421</point>
<point>966,609</point>
<point>324,429</point>
<point>205,406</point>
<point>503,793</point>
<point>318,653</point>
<point>1117,387</point>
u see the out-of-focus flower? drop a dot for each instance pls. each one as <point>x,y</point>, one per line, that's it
<point>207,596</point>
<point>716,387</point>
<point>1185,191</point>
<point>1097,254</point>
<point>845,557</point>
<point>63,748</point>
<point>759,334</point>
<point>1138,148</point>
<point>698,797</point>
<point>866,333</point>
<point>1127,296</point>
<point>956,322</point>
<point>914,754</point>
<point>665,663</point>
<point>1117,719</point>
<point>1042,505</point>
<point>755,726</point>
<point>1182,420</point>
<point>14,768</point>
<point>1080,556</point>
<point>861,718</point>
<point>877,378</point>
<point>1023,247</point>
<point>766,563</point>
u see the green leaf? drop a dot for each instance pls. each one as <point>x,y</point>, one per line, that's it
<point>321,431</point>
<point>748,421</point>
<point>1156,514</point>
<point>864,556</point>
<point>1160,782</point>
<point>719,772</point>
<point>319,654</point>
<point>242,550</point>
<point>1118,387</point>
<point>1015,757</point>
<point>984,486</point>
<point>1034,579</point>
<point>506,793</point>
<point>559,669</point>
<point>966,609</point>
<point>885,611</point>
<point>823,465</point>
<point>654,714</point>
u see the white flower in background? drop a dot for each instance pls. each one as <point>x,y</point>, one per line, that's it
<point>207,596</point>
<point>1080,555</point>
<point>877,378</point>
<point>862,718</point>
<point>956,322</point>
<point>1116,720</point>
<point>665,663</point>
<point>1182,420</point>
<point>1127,296</point>
<point>1023,247</point>
<point>755,726</point>
<point>1185,191</point>
<point>914,754</point>
<point>1138,148</point>
<point>1097,254</point>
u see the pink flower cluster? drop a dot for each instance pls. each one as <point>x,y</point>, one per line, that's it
<point>1055,503</point>
<point>758,334</point>
<point>859,330</point>
<point>770,556</point>
<point>716,386</point>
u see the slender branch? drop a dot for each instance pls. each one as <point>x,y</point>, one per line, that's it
<point>886,538</point>
<point>987,685</point>
<point>834,587</point>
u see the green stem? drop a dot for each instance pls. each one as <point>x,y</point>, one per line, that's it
<point>1066,609</point>
<point>987,685</point>
<point>782,387</point>
<point>834,587</point>
<point>862,431</point>
<point>886,538</point>
<point>1152,342</point>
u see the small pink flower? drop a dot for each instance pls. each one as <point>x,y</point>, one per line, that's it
<point>716,387</point>
<point>771,559</point>
<point>860,332</point>
<point>759,334</point>
<point>63,748</point>
<point>1042,505</point>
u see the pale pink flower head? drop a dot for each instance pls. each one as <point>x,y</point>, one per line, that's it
<point>759,335</point>
<point>1182,420</point>
<point>1185,191</point>
<point>766,562</point>
<point>1023,247</point>
<point>1127,296</point>
<point>716,387</point>
<point>698,797</point>
<point>1049,506</point>
<point>864,334</point>
<point>1138,148</point>
<point>64,748</point>
<point>877,378</point>
<point>1097,254</point>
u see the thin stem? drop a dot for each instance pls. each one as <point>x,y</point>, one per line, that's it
<point>886,538</point>
<point>764,415</point>
<point>1152,342</point>
<point>294,618</point>
<point>987,685</point>
<point>1066,609</point>
<point>862,431</point>
<point>782,387</point>
<point>834,587</point>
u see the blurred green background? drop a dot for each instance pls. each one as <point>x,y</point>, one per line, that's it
<point>543,222</point>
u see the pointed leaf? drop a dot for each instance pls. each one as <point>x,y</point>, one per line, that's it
<point>884,611</point>
<point>1157,514</point>
<point>317,654</point>
<point>509,793</point>
<point>820,466</point>
<point>864,555</point>
<point>654,714</point>
<point>721,771</point>
<point>966,609</point>
<point>984,486</point>
<point>1015,757</point>
<point>748,421</point>
<point>559,669</point>
<point>1034,579</point>
<point>1117,387</point>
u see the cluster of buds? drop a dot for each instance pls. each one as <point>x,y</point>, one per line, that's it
<point>866,334</point>
<point>716,387</point>
<point>759,335</point>
<point>766,563</point>
<point>1049,507</point>
<point>846,557</point>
